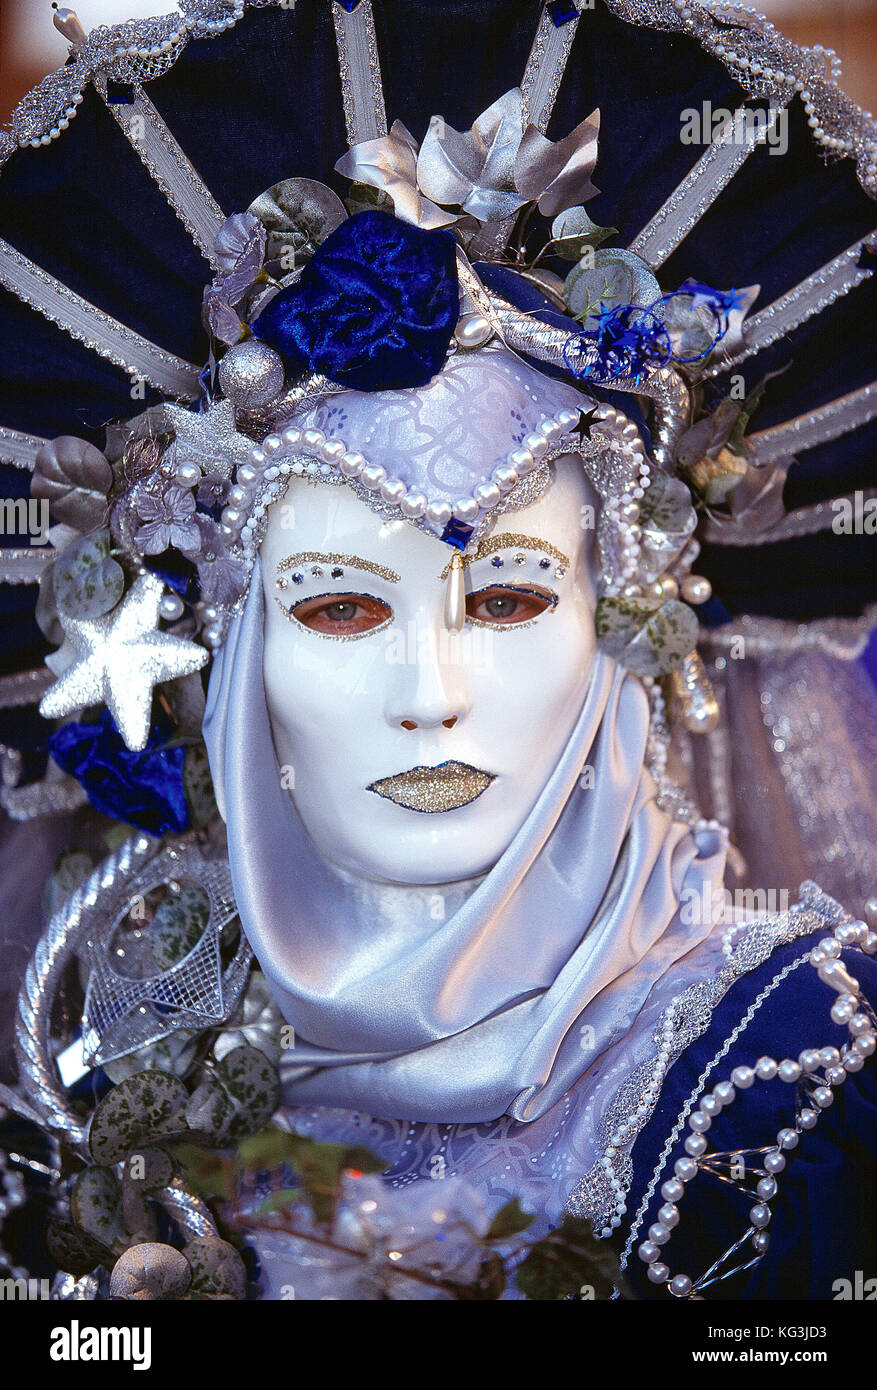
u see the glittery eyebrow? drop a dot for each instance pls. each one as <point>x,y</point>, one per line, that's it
<point>353,561</point>
<point>512,541</point>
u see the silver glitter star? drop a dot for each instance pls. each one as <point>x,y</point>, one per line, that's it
<point>209,437</point>
<point>121,656</point>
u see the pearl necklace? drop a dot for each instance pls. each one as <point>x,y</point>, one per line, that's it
<point>849,1009</point>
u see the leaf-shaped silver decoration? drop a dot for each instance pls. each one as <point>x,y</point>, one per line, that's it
<point>475,170</point>
<point>87,581</point>
<point>649,637</point>
<point>667,520</point>
<point>75,478</point>
<point>390,165</point>
<point>239,251</point>
<point>150,1272</point>
<point>297,214</point>
<point>609,279</point>
<point>572,232</point>
<point>558,176</point>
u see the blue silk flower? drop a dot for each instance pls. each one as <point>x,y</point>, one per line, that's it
<point>374,308</point>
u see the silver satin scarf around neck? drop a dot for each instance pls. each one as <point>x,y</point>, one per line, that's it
<point>536,972</point>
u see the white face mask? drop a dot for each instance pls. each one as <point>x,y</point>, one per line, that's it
<point>365,685</point>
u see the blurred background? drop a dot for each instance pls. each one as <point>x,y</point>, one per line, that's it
<point>30,46</point>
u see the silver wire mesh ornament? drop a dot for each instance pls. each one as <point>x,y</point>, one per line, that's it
<point>123,1014</point>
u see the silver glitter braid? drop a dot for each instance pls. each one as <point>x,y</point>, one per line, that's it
<point>38,1074</point>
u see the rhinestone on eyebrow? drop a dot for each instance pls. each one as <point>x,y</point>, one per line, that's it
<point>316,571</point>
<point>497,562</point>
<point>337,573</point>
<point>520,559</point>
<point>544,563</point>
<point>282,584</point>
<point>297,578</point>
<point>560,572</point>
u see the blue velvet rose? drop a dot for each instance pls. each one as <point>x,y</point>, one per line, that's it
<point>144,789</point>
<point>375,307</point>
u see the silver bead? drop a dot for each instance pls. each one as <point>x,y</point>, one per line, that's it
<point>170,607</point>
<point>372,476</point>
<point>232,517</point>
<point>251,374</point>
<point>809,1059</point>
<point>465,509</point>
<point>672,1190</point>
<point>351,464</point>
<point>710,1106</point>
<point>551,430</point>
<point>789,1071</point>
<point>505,477</point>
<point>761,1241</point>
<point>808,1118</point>
<point>333,451</point>
<point>438,513</point>
<point>537,444</point>
<point>859,1023</point>
<point>487,495</point>
<point>871,910</point>
<point>787,1139</point>
<point>774,1162</point>
<point>742,1078</point>
<point>668,1215</point>
<point>659,1234</point>
<point>413,505</point>
<point>522,460</point>
<point>766,1188</point>
<point>680,1285</point>
<point>724,1092</point>
<point>699,1122</point>
<point>291,437</point>
<point>696,589</point>
<point>658,1273</point>
<point>685,1169</point>
<point>823,1096</point>
<point>472,330</point>
<point>695,1145</point>
<point>393,490</point>
<point>759,1215</point>
<point>864,1045</point>
<point>649,1252</point>
<point>853,1062</point>
<point>312,441</point>
<point>187,474</point>
<point>766,1069</point>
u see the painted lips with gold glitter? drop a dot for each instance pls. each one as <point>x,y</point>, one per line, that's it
<point>442,788</point>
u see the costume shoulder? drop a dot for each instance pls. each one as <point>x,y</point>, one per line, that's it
<point>756,1176</point>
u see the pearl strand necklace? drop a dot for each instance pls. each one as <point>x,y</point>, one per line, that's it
<point>849,1009</point>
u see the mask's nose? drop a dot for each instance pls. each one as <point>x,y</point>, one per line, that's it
<point>430,690</point>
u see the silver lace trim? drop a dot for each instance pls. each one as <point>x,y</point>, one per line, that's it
<point>24,566</point>
<point>843,638</point>
<point>19,449</point>
<point>545,68</point>
<point>811,296</point>
<point>97,330</point>
<point>817,426</point>
<point>358,62</point>
<point>804,521</point>
<point>179,181</point>
<point>684,1020</point>
<point>697,192</point>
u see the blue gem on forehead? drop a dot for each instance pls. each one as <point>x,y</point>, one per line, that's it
<point>562,11</point>
<point>457,533</point>
<point>297,578</point>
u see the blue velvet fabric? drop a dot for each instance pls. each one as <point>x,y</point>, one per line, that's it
<point>144,789</point>
<point>824,1224</point>
<point>375,308</point>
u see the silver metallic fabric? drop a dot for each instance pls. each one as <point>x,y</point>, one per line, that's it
<point>480,1014</point>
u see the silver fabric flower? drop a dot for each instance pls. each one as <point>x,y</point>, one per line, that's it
<point>169,521</point>
<point>390,164</point>
<point>558,176</point>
